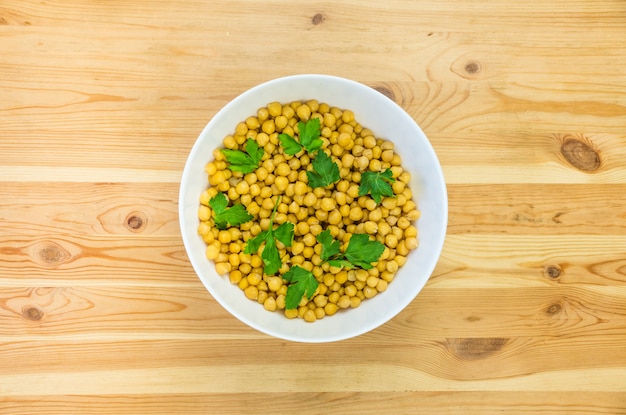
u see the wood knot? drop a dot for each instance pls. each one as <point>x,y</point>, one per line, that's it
<point>51,254</point>
<point>472,67</point>
<point>386,91</point>
<point>476,348</point>
<point>580,154</point>
<point>136,221</point>
<point>318,18</point>
<point>32,313</point>
<point>554,309</point>
<point>553,271</point>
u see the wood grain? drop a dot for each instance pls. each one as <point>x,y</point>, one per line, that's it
<point>102,313</point>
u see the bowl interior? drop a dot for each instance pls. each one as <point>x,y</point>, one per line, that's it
<point>387,120</point>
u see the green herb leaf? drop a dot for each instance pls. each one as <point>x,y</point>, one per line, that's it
<point>270,255</point>
<point>330,246</point>
<point>290,145</point>
<point>253,245</point>
<point>218,203</point>
<point>325,171</point>
<point>242,162</point>
<point>310,135</point>
<point>224,216</point>
<point>361,251</point>
<point>284,233</point>
<point>378,185</point>
<point>303,283</point>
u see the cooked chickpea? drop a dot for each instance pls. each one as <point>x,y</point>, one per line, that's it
<point>328,204</point>
<point>222,268</point>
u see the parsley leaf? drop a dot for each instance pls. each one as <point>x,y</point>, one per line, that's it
<point>309,136</point>
<point>330,246</point>
<point>270,255</point>
<point>361,252</point>
<point>242,162</point>
<point>290,145</point>
<point>224,216</point>
<point>303,283</point>
<point>284,233</point>
<point>325,171</point>
<point>377,184</point>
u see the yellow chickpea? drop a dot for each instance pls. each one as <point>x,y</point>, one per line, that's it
<point>310,199</point>
<point>281,183</point>
<point>410,232</point>
<point>356,214</point>
<point>274,109</point>
<point>222,268</point>
<point>303,112</point>
<point>328,204</point>
<point>411,243</point>
<point>330,309</point>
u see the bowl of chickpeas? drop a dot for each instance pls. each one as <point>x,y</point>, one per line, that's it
<point>313,208</point>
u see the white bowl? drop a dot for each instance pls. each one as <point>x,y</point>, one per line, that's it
<point>387,120</point>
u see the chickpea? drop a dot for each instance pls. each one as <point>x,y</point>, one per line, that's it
<point>410,232</point>
<point>300,188</point>
<point>303,112</point>
<point>275,109</point>
<point>328,204</point>
<point>222,268</point>
<point>344,301</point>
<point>283,169</point>
<point>291,313</point>
<point>411,243</point>
<point>309,316</point>
<point>270,304</point>
<point>331,309</point>
<point>309,239</point>
<point>281,183</point>
<point>369,292</point>
<point>310,199</point>
<point>356,214</point>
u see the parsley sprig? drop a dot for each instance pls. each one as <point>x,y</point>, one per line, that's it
<point>303,283</point>
<point>361,252</point>
<point>378,185</point>
<point>325,171</point>
<point>270,256</point>
<point>224,215</point>
<point>244,162</point>
<point>309,136</point>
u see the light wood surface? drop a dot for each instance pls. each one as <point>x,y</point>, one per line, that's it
<point>524,102</point>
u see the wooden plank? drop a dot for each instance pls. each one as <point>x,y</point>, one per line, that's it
<point>531,259</point>
<point>537,210</point>
<point>111,209</point>
<point>66,259</point>
<point>453,311</point>
<point>366,377</point>
<point>454,358</point>
<point>355,403</point>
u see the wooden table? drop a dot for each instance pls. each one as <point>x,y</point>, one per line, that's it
<point>101,312</point>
